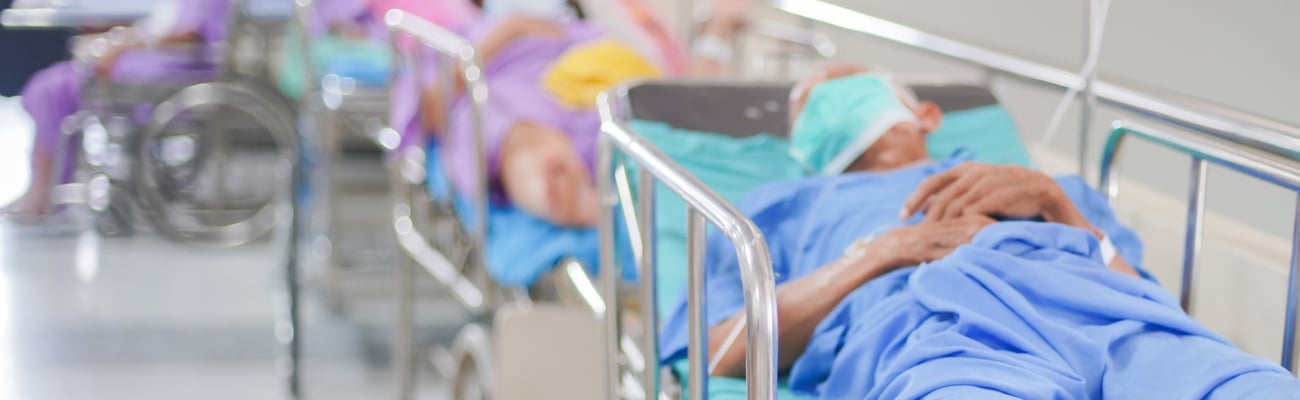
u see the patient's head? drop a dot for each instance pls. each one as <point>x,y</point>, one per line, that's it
<point>848,119</point>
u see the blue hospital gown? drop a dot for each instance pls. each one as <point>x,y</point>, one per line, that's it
<point>810,222</point>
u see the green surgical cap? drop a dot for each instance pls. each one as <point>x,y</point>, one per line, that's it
<point>843,118</point>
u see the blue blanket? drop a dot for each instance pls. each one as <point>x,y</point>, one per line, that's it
<point>521,247</point>
<point>1027,311</point>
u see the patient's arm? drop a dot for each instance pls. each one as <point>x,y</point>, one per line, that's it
<point>803,303</point>
<point>1003,191</point>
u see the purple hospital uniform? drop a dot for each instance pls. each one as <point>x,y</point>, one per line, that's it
<point>514,79</point>
<point>55,93</point>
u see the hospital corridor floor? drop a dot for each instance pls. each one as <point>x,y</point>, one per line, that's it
<point>153,319</point>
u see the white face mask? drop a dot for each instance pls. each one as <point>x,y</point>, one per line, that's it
<point>545,9</point>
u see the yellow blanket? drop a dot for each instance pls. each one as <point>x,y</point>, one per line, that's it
<point>587,70</point>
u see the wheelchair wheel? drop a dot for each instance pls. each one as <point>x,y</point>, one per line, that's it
<point>473,377</point>
<point>214,162</point>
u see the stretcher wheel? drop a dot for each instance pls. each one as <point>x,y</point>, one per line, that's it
<point>183,183</point>
<point>472,352</point>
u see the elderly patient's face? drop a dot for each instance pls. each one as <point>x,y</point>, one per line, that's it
<point>901,146</point>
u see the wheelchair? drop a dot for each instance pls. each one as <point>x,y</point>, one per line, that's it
<point>187,159</point>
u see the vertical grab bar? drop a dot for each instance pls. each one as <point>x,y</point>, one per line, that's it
<point>649,296</point>
<point>608,262</point>
<point>698,347</point>
<point>1195,226</point>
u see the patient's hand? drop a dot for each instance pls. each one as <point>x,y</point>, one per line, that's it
<point>992,190</point>
<point>925,242</point>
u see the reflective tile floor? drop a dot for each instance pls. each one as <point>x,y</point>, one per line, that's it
<point>144,318</point>
<point>141,317</point>
<point>83,317</point>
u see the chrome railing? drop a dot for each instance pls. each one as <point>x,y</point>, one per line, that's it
<point>619,145</point>
<point>1211,119</point>
<point>1238,155</point>
<point>458,55</point>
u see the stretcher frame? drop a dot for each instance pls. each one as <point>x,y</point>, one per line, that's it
<point>458,261</point>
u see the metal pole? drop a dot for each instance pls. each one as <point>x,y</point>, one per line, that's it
<point>649,298</point>
<point>698,345</point>
<point>1195,227</point>
<point>288,325</point>
<point>609,266</point>
<point>1089,97</point>
<point>404,335</point>
<point>1292,298</point>
<point>288,329</point>
<point>404,343</point>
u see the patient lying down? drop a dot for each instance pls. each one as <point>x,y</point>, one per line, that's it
<point>905,277</point>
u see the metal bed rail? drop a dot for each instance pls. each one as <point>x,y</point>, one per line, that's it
<point>1262,133</point>
<point>618,145</point>
<point>1240,156</point>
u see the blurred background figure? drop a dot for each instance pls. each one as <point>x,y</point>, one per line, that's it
<point>145,52</point>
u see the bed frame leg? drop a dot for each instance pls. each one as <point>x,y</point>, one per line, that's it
<point>1195,226</point>
<point>1293,284</point>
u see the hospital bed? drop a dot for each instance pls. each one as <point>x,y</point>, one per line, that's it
<point>698,106</point>
<point>164,154</point>
<point>1258,148</point>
